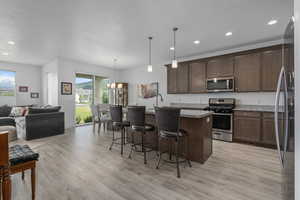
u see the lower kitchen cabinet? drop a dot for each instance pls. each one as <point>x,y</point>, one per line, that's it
<point>268,128</point>
<point>255,127</point>
<point>247,126</point>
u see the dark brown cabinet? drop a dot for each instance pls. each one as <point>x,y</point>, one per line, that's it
<point>247,126</point>
<point>268,128</point>
<point>247,73</point>
<point>271,65</point>
<point>172,80</point>
<point>255,127</point>
<point>178,79</point>
<point>197,77</point>
<point>182,78</point>
<point>220,67</point>
<point>253,71</point>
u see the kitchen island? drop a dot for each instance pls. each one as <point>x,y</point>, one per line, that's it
<point>197,123</point>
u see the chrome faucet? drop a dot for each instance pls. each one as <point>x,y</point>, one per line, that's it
<point>161,98</point>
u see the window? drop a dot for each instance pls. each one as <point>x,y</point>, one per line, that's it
<point>90,89</point>
<point>7,83</point>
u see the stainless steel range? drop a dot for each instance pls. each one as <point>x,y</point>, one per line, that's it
<point>222,117</point>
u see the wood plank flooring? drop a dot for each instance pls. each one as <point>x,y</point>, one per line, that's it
<point>79,166</point>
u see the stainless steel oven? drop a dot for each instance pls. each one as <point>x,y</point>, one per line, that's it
<point>222,126</point>
<point>220,84</point>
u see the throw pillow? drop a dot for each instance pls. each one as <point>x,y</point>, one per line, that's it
<point>16,111</point>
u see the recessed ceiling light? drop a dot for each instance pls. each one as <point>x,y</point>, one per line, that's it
<point>172,48</point>
<point>196,42</point>
<point>11,42</point>
<point>228,34</point>
<point>4,53</point>
<point>272,22</point>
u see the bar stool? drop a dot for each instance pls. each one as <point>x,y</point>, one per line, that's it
<point>116,113</point>
<point>168,122</point>
<point>136,118</point>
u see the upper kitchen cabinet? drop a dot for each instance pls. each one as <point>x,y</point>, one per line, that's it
<point>271,65</point>
<point>178,78</point>
<point>247,72</point>
<point>171,79</point>
<point>220,67</point>
<point>182,78</point>
<point>197,77</point>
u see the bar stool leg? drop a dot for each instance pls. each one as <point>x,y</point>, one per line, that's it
<point>113,140</point>
<point>122,140</point>
<point>143,148</point>
<point>159,153</point>
<point>23,175</point>
<point>177,157</point>
<point>132,144</point>
<point>187,152</point>
<point>170,149</point>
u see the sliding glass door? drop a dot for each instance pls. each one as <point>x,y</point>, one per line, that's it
<point>90,89</point>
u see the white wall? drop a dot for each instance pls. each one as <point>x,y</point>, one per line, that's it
<point>66,73</point>
<point>140,75</point>
<point>297,98</point>
<point>26,75</point>
<point>51,67</point>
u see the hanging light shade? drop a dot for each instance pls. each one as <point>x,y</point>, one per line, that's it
<point>113,85</point>
<point>174,61</point>
<point>120,86</point>
<point>149,68</point>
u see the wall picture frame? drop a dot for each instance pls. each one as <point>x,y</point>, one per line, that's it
<point>23,88</point>
<point>66,88</point>
<point>34,95</point>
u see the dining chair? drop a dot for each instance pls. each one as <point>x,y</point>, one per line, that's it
<point>103,116</point>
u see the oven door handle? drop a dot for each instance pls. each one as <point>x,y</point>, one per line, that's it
<point>226,114</point>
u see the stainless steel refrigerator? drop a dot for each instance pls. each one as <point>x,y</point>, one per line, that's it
<point>284,114</point>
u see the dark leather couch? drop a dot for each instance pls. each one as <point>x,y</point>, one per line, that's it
<point>44,125</point>
<point>41,122</point>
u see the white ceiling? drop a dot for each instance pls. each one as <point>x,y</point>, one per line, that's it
<point>96,31</point>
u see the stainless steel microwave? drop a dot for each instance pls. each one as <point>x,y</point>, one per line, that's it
<point>220,84</point>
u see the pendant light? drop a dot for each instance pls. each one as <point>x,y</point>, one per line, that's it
<point>149,68</point>
<point>113,84</point>
<point>174,61</point>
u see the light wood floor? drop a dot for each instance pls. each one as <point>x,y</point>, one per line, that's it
<point>78,165</point>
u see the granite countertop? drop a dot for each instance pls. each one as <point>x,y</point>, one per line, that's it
<point>188,113</point>
<point>192,106</point>
<point>257,108</point>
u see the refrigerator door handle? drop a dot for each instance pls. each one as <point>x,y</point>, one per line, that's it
<point>286,131</point>
<point>276,120</point>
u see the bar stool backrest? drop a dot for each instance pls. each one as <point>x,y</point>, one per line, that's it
<point>136,115</point>
<point>167,118</point>
<point>116,113</point>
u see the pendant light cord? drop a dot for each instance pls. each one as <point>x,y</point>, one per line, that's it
<point>150,38</point>
<point>174,55</point>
